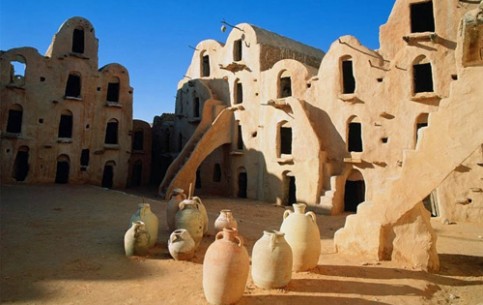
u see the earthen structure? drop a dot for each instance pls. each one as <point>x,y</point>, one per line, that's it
<point>62,118</point>
<point>267,118</point>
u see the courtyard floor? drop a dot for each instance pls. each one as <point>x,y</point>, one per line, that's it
<point>63,244</point>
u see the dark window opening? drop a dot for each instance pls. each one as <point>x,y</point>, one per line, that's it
<point>73,88</point>
<point>291,191</point>
<point>78,41</point>
<point>286,140</point>
<point>113,92</point>
<point>21,165</point>
<point>348,80</point>
<point>354,195</point>
<point>84,159</point>
<point>239,93</point>
<point>384,140</point>
<point>138,140</point>
<point>423,78</point>
<point>14,123</point>
<point>196,107</point>
<point>137,173</point>
<point>237,50</point>
<point>65,126</point>
<point>355,138</point>
<point>62,174</point>
<point>108,176</point>
<point>206,66</point>
<point>111,133</point>
<point>217,173</point>
<point>285,87</point>
<point>422,18</point>
<point>198,179</point>
<point>242,185</point>
<point>239,142</point>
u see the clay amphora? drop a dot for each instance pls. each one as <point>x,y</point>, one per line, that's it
<point>180,245</point>
<point>303,236</point>
<point>189,217</point>
<point>136,239</point>
<point>202,209</point>
<point>150,220</point>
<point>172,207</point>
<point>271,261</point>
<point>225,220</point>
<point>225,268</point>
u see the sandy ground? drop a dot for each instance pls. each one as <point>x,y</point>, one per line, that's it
<point>63,244</point>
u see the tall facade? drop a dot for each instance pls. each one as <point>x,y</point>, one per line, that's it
<point>63,119</point>
<point>378,132</point>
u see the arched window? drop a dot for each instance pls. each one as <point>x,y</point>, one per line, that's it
<point>422,75</point>
<point>65,125</point>
<point>355,191</point>
<point>14,121</point>
<point>238,92</point>
<point>78,41</point>
<point>63,168</point>
<point>347,72</point>
<point>354,135</point>
<point>111,132</point>
<point>205,64</point>
<point>73,86</point>
<point>113,87</point>
<point>284,85</point>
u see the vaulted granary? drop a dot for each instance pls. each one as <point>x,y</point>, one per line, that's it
<point>63,119</point>
<point>383,133</point>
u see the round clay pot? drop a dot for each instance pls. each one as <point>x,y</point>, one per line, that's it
<point>225,268</point>
<point>173,206</point>
<point>303,236</point>
<point>136,239</point>
<point>180,245</point>
<point>189,217</point>
<point>150,220</point>
<point>225,220</point>
<point>271,261</point>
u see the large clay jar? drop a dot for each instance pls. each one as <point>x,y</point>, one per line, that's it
<point>271,261</point>
<point>225,268</point>
<point>172,207</point>
<point>225,220</point>
<point>150,220</point>
<point>180,245</point>
<point>303,236</point>
<point>189,217</point>
<point>204,213</point>
<point>136,239</point>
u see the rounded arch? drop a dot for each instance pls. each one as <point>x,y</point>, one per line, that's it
<point>420,59</point>
<point>354,190</point>
<point>16,107</point>
<point>108,174</point>
<point>63,169</point>
<point>204,63</point>
<point>284,84</point>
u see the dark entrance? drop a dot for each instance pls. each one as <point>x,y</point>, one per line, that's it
<point>21,165</point>
<point>354,194</point>
<point>242,185</point>
<point>107,176</point>
<point>62,174</point>
<point>291,191</point>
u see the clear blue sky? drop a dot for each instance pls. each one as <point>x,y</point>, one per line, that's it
<point>151,38</point>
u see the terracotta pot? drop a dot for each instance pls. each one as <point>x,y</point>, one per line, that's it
<point>150,220</point>
<point>202,209</point>
<point>136,239</point>
<point>172,207</point>
<point>225,268</point>
<point>303,236</point>
<point>189,217</point>
<point>225,220</point>
<point>271,261</point>
<point>180,245</point>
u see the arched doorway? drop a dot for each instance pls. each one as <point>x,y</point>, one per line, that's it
<point>242,183</point>
<point>289,189</point>
<point>108,174</point>
<point>21,164</point>
<point>63,168</point>
<point>355,191</point>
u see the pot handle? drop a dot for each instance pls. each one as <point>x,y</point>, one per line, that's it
<point>240,241</point>
<point>181,205</point>
<point>219,235</point>
<point>312,215</point>
<point>286,213</point>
